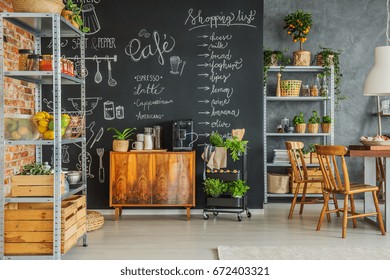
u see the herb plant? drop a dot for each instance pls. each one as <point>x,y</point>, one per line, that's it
<point>35,169</point>
<point>236,147</point>
<point>326,119</point>
<point>214,187</point>
<point>76,11</point>
<point>299,119</point>
<point>216,140</point>
<point>315,118</point>
<point>237,188</point>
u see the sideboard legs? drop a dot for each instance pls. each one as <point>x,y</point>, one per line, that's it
<point>188,213</point>
<point>118,212</point>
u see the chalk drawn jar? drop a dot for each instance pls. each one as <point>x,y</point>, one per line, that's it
<point>109,110</point>
<point>120,112</point>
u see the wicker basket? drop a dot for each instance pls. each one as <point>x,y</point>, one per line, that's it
<point>290,87</point>
<point>34,6</point>
<point>95,220</point>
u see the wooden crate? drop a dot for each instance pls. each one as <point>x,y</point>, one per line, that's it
<point>28,230</point>
<point>81,215</point>
<point>34,185</point>
<point>311,187</point>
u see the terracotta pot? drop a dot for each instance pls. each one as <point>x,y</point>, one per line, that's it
<point>325,127</point>
<point>300,128</point>
<point>120,145</point>
<point>301,58</point>
<point>312,128</point>
<point>67,15</point>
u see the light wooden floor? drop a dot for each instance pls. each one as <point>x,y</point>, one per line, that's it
<point>171,237</point>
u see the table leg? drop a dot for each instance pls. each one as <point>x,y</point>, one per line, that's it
<point>370,179</point>
<point>188,213</point>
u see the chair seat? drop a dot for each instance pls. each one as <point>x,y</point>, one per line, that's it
<point>358,188</point>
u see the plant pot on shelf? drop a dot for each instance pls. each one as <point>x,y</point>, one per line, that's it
<point>320,60</point>
<point>312,128</point>
<point>300,128</point>
<point>120,145</point>
<point>325,127</point>
<point>67,15</point>
<point>301,58</point>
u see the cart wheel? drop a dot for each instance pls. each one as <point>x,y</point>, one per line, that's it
<point>248,214</point>
<point>205,216</point>
<point>215,213</point>
<point>239,217</point>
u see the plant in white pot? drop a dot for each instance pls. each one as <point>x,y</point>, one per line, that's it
<point>121,139</point>
<point>313,122</point>
<point>298,25</point>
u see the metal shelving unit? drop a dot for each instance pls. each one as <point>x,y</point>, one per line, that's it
<point>327,104</point>
<point>55,27</point>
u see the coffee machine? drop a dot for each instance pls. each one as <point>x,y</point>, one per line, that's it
<point>182,135</point>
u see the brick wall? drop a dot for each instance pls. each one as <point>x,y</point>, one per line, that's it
<point>18,95</point>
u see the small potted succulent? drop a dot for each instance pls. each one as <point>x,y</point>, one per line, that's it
<point>326,124</point>
<point>299,123</point>
<point>313,122</point>
<point>298,25</point>
<point>121,139</point>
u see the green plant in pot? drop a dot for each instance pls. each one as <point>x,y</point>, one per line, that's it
<point>326,124</point>
<point>299,123</point>
<point>311,153</point>
<point>236,147</point>
<point>313,122</point>
<point>298,26</point>
<point>214,187</point>
<point>121,139</point>
<point>72,13</point>
<point>237,188</point>
<point>273,58</point>
<point>216,140</point>
<point>327,58</point>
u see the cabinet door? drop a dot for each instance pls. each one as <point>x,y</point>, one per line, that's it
<point>175,179</point>
<point>131,177</point>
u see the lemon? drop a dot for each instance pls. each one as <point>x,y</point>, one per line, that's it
<point>43,123</point>
<point>42,129</point>
<point>49,135</point>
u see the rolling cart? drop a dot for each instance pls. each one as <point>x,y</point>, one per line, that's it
<point>226,203</point>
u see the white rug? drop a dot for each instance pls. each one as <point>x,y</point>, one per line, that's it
<point>301,253</point>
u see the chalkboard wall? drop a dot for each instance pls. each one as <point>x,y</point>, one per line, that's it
<point>197,59</point>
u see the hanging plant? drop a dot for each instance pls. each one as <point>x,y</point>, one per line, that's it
<point>273,58</point>
<point>327,58</point>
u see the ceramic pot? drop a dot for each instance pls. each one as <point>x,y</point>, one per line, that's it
<point>301,58</point>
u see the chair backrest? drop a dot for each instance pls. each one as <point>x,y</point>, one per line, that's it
<point>297,161</point>
<point>334,167</point>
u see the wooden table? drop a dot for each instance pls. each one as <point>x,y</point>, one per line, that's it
<point>370,153</point>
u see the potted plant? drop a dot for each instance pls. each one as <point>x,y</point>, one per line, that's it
<point>326,124</point>
<point>121,139</point>
<point>214,187</point>
<point>310,155</point>
<point>299,123</point>
<point>236,147</point>
<point>216,140</point>
<point>327,58</point>
<point>237,188</point>
<point>71,12</point>
<point>313,122</point>
<point>298,25</point>
<point>273,58</point>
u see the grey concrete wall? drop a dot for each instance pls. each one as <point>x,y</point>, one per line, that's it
<point>354,26</point>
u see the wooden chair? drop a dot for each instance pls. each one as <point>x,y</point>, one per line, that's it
<point>336,181</point>
<point>301,177</point>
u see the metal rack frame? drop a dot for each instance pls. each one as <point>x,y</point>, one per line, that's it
<point>56,27</point>
<point>327,138</point>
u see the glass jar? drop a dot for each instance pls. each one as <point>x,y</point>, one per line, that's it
<point>33,61</point>
<point>305,90</point>
<point>313,90</point>
<point>23,55</point>
<point>46,63</point>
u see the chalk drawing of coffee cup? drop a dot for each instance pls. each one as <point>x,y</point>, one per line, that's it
<point>175,64</point>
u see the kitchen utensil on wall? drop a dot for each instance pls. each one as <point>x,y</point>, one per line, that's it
<point>90,128</point>
<point>90,103</point>
<point>89,163</point>
<point>98,75</point>
<point>111,81</point>
<point>98,136</point>
<point>100,152</point>
<point>79,71</point>
<point>120,112</point>
<point>65,154</point>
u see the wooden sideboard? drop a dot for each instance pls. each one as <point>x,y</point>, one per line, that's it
<point>152,179</point>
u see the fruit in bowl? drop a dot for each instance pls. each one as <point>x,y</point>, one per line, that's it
<point>45,124</point>
<point>20,127</point>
